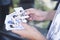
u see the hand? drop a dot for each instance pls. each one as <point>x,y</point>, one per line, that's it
<point>35,14</point>
<point>29,33</point>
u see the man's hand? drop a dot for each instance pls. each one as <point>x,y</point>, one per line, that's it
<point>29,33</point>
<point>37,15</point>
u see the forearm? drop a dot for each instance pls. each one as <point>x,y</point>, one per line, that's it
<point>49,15</point>
<point>36,37</point>
<point>39,37</point>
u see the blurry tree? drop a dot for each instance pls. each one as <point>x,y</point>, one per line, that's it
<point>39,4</point>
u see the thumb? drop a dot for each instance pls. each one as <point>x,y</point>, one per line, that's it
<point>25,25</point>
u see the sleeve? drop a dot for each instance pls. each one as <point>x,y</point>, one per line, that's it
<point>54,26</point>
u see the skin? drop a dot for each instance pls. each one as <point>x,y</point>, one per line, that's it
<point>30,32</point>
<point>40,15</point>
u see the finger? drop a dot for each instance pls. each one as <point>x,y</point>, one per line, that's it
<point>29,11</point>
<point>30,19</point>
<point>25,25</point>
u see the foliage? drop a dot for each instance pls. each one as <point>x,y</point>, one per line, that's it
<point>39,4</point>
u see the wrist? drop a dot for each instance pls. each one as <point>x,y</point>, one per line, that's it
<point>50,15</point>
<point>38,36</point>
